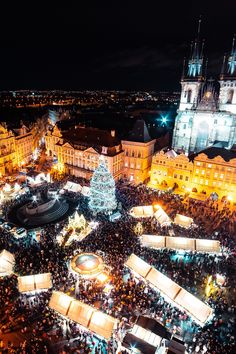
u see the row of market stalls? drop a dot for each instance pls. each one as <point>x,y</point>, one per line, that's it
<point>75,188</point>
<point>83,314</point>
<point>171,291</point>
<point>180,243</point>
<point>157,211</point>
<point>149,336</point>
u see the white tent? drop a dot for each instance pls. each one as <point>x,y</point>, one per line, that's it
<point>195,307</point>
<point>7,261</point>
<point>145,211</point>
<point>137,265</point>
<point>87,316</point>
<point>153,241</point>
<point>73,187</point>
<point>207,246</point>
<point>163,283</point>
<point>183,221</point>
<point>85,191</point>
<point>171,290</point>
<point>34,282</point>
<point>161,215</point>
<point>180,243</point>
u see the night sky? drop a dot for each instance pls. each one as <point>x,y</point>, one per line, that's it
<point>108,44</point>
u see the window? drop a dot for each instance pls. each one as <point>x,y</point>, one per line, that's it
<point>197,170</point>
<point>186,178</point>
<point>132,153</point>
<point>216,175</point>
<point>201,181</point>
<point>222,175</point>
<point>189,96</point>
<point>126,164</point>
<point>131,165</point>
<point>184,127</point>
<point>198,163</point>
<point>175,175</point>
<point>203,172</point>
<point>230,95</point>
<point>181,177</point>
<point>206,182</point>
<point>209,165</point>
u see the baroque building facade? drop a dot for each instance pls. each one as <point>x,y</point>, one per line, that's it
<point>207,109</point>
<point>212,171</point>
<point>15,147</point>
<point>78,149</point>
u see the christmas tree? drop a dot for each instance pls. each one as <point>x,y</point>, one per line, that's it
<point>102,190</point>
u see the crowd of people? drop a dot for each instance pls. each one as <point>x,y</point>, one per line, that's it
<point>44,331</point>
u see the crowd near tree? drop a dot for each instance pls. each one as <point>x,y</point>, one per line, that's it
<point>44,331</point>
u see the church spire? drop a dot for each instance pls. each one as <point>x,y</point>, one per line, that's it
<point>228,70</point>
<point>195,63</point>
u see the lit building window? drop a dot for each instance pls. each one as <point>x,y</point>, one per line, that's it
<point>197,170</point>
<point>126,164</point>
<point>181,177</point>
<point>216,175</point>
<point>175,175</point>
<point>201,181</point>
<point>222,175</point>
<point>206,182</point>
<point>198,163</point>
<point>203,172</point>
<point>131,165</point>
<point>209,165</point>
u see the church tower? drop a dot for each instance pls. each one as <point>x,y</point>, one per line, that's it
<point>227,98</point>
<point>192,76</point>
<point>191,83</point>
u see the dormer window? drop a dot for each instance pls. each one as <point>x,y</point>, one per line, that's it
<point>104,150</point>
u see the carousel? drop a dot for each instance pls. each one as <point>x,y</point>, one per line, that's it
<point>88,265</point>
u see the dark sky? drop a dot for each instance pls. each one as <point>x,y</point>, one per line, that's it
<point>108,44</point>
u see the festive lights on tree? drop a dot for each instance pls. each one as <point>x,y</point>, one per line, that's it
<point>102,190</point>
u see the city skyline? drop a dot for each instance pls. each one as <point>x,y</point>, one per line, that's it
<point>109,46</point>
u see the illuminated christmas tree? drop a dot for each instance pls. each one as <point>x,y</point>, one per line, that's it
<point>102,190</point>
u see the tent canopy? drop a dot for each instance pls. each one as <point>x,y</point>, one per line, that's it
<point>7,261</point>
<point>181,298</point>
<point>183,221</point>
<point>72,187</point>
<point>149,211</point>
<point>180,243</point>
<point>34,282</point>
<point>87,316</point>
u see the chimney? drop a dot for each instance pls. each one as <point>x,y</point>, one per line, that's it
<point>113,133</point>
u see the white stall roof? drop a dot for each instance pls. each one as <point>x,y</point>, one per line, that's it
<point>154,241</point>
<point>7,261</point>
<point>34,282</point>
<point>207,246</point>
<point>73,187</point>
<point>182,298</point>
<point>183,220</point>
<point>87,316</point>
<point>180,243</point>
<point>163,283</point>
<point>195,307</point>
<point>138,265</point>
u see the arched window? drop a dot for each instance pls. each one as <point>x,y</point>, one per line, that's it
<point>230,95</point>
<point>189,96</point>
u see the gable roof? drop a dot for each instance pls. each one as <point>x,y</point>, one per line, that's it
<point>139,132</point>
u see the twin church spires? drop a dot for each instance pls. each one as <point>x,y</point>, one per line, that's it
<point>196,67</point>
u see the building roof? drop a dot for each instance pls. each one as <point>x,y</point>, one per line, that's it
<point>90,137</point>
<point>214,151</point>
<point>139,132</point>
<point>154,326</point>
